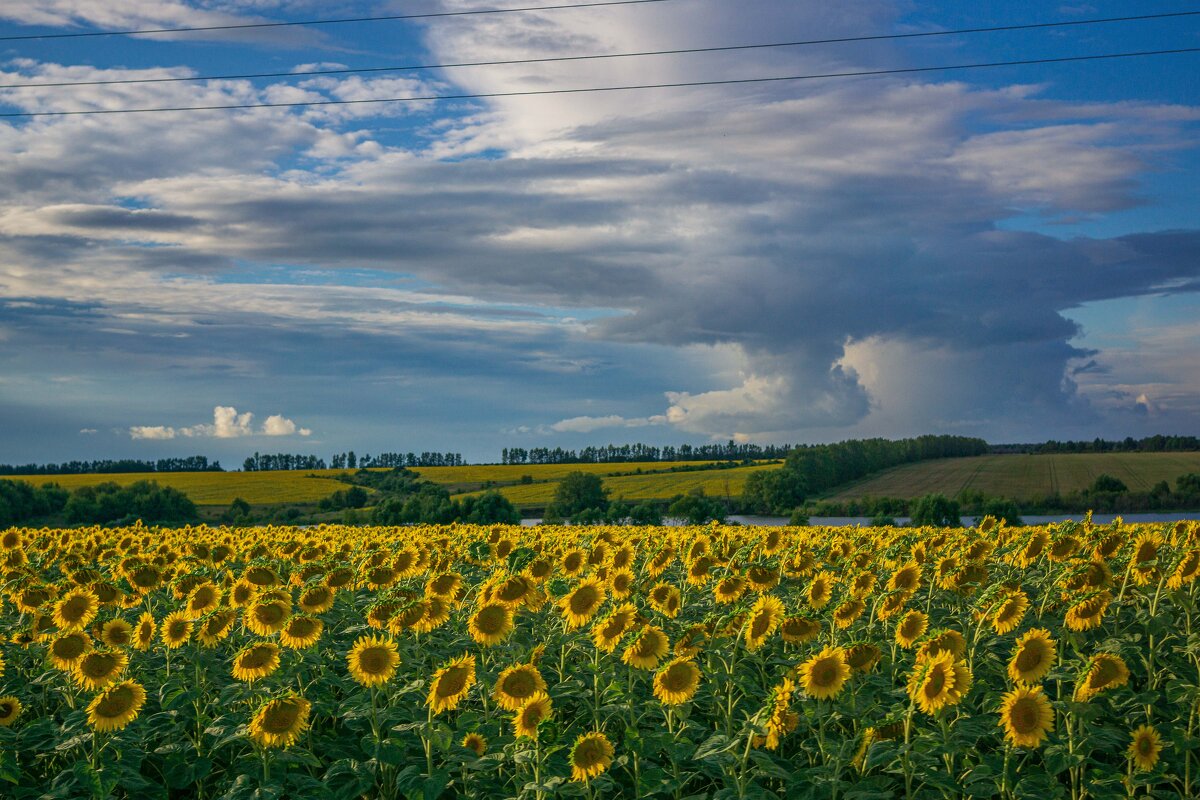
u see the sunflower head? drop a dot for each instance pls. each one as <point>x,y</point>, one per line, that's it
<point>451,683</point>
<point>99,668</point>
<point>530,714</point>
<point>1026,716</point>
<point>582,602</point>
<point>1033,657</point>
<point>516,685</point>
<point>676,682</point>
<point>910,628</point>
<point>116,706</point>
<point>491,623</point>
<point>591,755</point>
<point>645,651</point>
<point>1144,746</point>
<point>143,634</point>
<point>1103,671</point>
<point>10,710</point>
<point>75,609</point>
<point>765,616</point>
<point>301,631</point>
<point>824,675</point>
<point>256,661</point>
<point>373,661</point>
<point>475,742</point>
<point>176,629</point>
<point>280,722</point>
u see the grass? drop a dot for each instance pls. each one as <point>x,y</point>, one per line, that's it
<point>1022,476</point>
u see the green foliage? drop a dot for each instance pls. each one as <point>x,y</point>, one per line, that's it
<point>937,510</point>
<point>646,514</point>
<point>1002,509</point>
<point>1107,483</point>
<point>578,492</point>
<point>145,500</point>
<point>20,502</point>
<point>1188,484</point>
<point>697,509</point>
<point>488,508</point>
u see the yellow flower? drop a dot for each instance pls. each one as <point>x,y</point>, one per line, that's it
<point>10,710</point>
<point>475,742</point>
<point>116,633</point>
<point>782,720</point>
<point>116,706</point>
<point>620,583</point>
<point>912,626</point>
<point>143,636</point>
<point>99,668</point>
<point>66,650</point>
<point>798,630</point>
<point>316,599</point>
<point>1088,613</point>
<point>608,632</point>
<point>491,623</point>
<point>1033,657</point>
<point>280,722</point>
<point>845,614</point>
<point>1103,671</point>
<point>1026,716</point>
<point>268,617</point>
<point>530,714</point>
<point>824,675</point>
<point>451,683</point>
<point>764,619</point>
<point>256,661</point>
<point>863,657</point>
<point>935,682</point>
<point>204,598</point>
<point>907,579</point>
<point>591,754</point>
<point>516,685</point>
<point>1144,747</point>
<point>647,649</point>
<point>676,682</point>
<point>75,610</point>
<point>216,627</point>
<point>583,602</point>
<point>1010,612</point>
<point>373,661</point>
<point>176,629</point>
<point>729,589</point>
<point>820,591</point>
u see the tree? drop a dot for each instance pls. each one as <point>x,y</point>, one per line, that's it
<point>646,513</point>
<point>695,508</point>
<point>936,510</point>
<point>1004,509</point>
<point>1107,483</point>
<point>489,508</point>
<point>577,492</point>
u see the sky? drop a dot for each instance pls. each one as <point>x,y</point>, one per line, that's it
<point>1011,252</point>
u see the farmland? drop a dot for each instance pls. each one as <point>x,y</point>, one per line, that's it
<point>489,661</point>
<point>1021,476</point>
<point>215,488</point>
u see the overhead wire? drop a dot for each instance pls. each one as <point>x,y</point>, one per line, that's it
<point>339,21</point>
<point>628,87</point>
<point>596,56</point>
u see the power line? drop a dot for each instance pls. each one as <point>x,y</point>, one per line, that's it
<point>532,92</point>
<point>554,59</point>
<point>341,21</point>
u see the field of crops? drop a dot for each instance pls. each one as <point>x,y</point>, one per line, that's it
<point>502,473</point>
<point>662,486</point>
<point>431,662</point>
<point>215,488</point>
<point>1023,476</point>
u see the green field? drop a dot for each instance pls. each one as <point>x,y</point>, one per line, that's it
<point>662,486</point>
<point>1022,477</point>
<point>215,488</point>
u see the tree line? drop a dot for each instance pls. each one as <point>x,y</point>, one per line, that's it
<point>812,469</point>
<point>1150,444</point>
<point>612,453</point>
<point>115,466</point>
<point>102,504</point>
<point>349,460</point>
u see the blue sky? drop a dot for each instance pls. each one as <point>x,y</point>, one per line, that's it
<point>1011,253</point>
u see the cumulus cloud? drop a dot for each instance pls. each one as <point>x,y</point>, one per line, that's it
<point>227,424</point>
<point>588,424</point>
<point>88,431</point>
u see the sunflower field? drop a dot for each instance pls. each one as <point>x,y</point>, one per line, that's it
<point>717,661</point>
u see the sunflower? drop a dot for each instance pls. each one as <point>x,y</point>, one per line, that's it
<point>907,579</point>
<point>765,616</point>
<point>267,616</point>
<point>372,660</point>
<point>116,706</point>
<point>256,661</point>
<point>762,579</point>
<point>581,603</point>
<point>176,629</point>
<point>782,720</point>
<point>1010,612</point>
<point>533,712</point>
<point>820,591</point>
<point>491,623</point>
<point>116,633</point>
<point>647,649</point>
<point>573,562</point>
<point>204,598</point>
<point>99,668</point>
<point>729,590</point>
<point>75,609</point>
<point>665,599</point>
<point>676,682</point>
<point>512,592</point>
<point>280,722</point>
<point>10,710</point>
<point>316,599</point>
<point>620,584</point>
<point>845,614</point>
<point>1144,747</point>
<point>143,635</point>
<point>66,650</point>
<point>591,754</point>
<point>910,628</point>
<point>932,683</point>
<point>216,627</point>
<point>451,683</point>
<point>863,657</point>
<point>862,585</point>
<point>691,641</point>
<point>1026,716</point>
<point>824,675</point>
<point>892,604</point>
<point>944,640</point>
<point>1088,613</point>
<point>798,630</point>
<point>1103,671</point>
<point>475,743</point>
<point>242,594</point>
<point>1144,562</point>
<point>516,685</point>
<point>608,632</point>
<point>302,631</point>
<point>1033,657</point>
<point>1186,572</point>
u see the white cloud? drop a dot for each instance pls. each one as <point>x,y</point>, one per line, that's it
<point>227,424</point>
<point>589,424</point>
<point>88,431</point>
